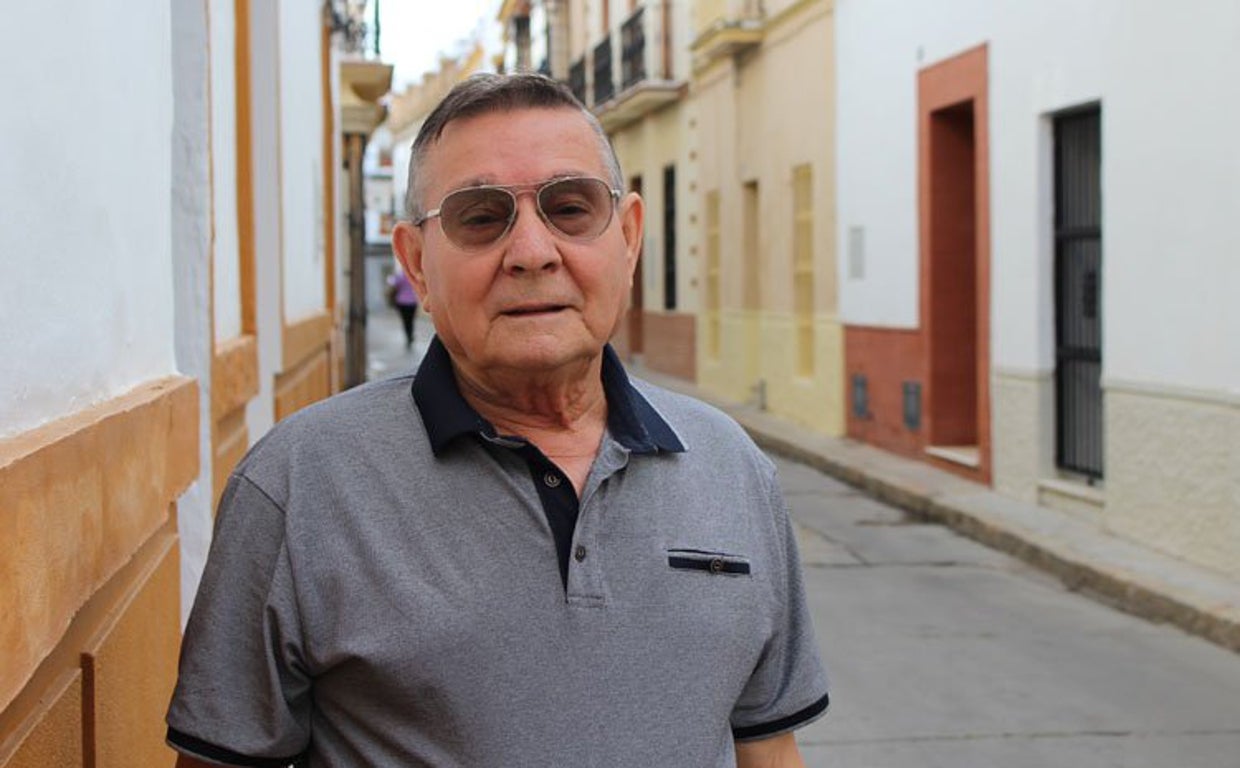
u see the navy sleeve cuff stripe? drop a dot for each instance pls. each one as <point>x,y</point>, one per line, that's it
<point>227,757</point>
<point>783,723</point>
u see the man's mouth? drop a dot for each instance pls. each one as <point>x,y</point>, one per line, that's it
<point>534,310</point>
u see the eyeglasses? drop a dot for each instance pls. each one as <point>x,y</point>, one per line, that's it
<point>576,208</point>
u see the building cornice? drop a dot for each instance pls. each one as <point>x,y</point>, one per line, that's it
<point>362,84</point>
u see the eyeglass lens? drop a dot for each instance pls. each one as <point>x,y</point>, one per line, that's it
<point>578,209</point>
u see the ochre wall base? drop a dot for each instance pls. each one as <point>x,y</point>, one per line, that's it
<point>89,595</point>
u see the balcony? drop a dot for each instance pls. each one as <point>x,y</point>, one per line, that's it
<point>647,80</point>
<point>725,28</point>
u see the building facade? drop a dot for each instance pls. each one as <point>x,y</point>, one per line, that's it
<point>196,297</point>
<point>1039,258</point>
<point>763,125</point>
<point>736,287</point>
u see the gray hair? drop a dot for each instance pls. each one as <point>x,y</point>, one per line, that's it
<point>485,93</point>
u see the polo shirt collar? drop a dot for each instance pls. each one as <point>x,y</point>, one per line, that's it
<point>631,419</point>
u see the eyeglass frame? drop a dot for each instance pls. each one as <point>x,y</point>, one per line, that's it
<point>515,191</point>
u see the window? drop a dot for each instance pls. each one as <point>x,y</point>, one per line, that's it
<point>803,267</point>
<point>669,237</point>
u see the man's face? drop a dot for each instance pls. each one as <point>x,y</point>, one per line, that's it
<point>534,302</point>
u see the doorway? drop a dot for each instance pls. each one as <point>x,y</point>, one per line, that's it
<point>953,327</point>
<point>950,406</point>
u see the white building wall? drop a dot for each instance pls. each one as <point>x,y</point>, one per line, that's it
<point>1145,65</point>
<point>1170,182</point>
<point>191,257</point>
<point>87,292</point>
<point>301,159</point>
<point>268,226</point>
<point>226,262</point>
<point>1171,165</point>
<point>880,44</point>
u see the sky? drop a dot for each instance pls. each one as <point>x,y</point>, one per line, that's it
<point>415,33</point>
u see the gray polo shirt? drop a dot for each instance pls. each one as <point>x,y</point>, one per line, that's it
<point>384,589</point>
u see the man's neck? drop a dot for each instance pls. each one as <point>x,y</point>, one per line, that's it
<point>564,416</point>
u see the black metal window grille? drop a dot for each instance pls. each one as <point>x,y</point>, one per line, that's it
<point>577,79</point>
<point>669,237</point>
<point>1078,292</point>
<point>604,85</point>
<point>912,404</point>
<point>860,396</point>
<point>633,50</point>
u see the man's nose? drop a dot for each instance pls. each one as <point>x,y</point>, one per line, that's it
<point>530,246</point>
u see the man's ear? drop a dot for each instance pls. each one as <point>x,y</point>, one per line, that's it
<point>407,245</point>
<point>632,225</point>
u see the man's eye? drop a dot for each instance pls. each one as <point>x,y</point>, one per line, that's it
<point>569,207</point>
<point>482,217</point>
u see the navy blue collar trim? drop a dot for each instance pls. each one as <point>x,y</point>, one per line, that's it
<point>632,420</point>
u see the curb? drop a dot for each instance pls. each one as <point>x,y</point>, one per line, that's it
<point>1086,559</point>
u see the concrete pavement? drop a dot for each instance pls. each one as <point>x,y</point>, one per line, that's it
<point>945,652</point>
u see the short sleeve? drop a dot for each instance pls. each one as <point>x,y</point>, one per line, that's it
<point>242,695</point>
<point>788,687</point>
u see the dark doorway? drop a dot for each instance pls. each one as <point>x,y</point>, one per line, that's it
<point>953,299</point>
<point>636,300</point>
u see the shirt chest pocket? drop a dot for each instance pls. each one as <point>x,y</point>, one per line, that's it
<point>709,562</point>
<point>712,604</point>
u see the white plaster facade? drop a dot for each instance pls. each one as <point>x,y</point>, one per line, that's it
<point>301,159</point>
<point>1170,181</point>
<point>226,262</point>
<point>86,293</point>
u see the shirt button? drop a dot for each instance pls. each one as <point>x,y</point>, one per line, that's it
<point>580,553</point>
<point>552,480</point>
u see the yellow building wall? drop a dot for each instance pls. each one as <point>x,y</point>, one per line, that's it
<point>758,116</point>
<point>645,148</point>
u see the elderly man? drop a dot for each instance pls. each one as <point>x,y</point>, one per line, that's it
<point>517,557</point>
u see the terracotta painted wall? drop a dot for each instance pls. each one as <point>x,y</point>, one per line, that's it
<point>887,358</point>
<point>671,344</point>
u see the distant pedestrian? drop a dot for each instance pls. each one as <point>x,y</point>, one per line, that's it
<point>405,300</point>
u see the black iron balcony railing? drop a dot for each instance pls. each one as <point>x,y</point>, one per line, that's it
<point>604,83</point>
<point>633,50</point>
<point>577,79</point>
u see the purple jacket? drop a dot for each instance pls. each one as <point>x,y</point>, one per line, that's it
<point>405,295</point>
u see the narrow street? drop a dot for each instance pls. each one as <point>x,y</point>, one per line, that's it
<point>385,344</point>
<point>943,652</point>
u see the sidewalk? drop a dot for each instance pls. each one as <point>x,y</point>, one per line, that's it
<point>1132,578</point>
